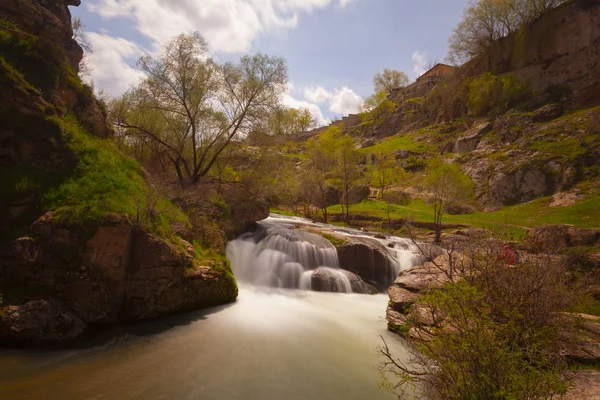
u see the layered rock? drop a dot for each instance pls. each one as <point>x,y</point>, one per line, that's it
<point>557,237</point>
<point>69,278</point>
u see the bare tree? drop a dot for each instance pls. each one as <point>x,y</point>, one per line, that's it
<point>193,108</point>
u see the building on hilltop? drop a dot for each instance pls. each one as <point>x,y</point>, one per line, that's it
<point>424,83</point>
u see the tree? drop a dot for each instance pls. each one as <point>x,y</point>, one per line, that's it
<point>388,80</point>
<point>192,108</point>
<point>445,185</point>
<point>347,170</point>
<point>385,172</point>
<point>81,38</point>
<point>320,163</point>
<point>372,102</point>
<point>288,121</point>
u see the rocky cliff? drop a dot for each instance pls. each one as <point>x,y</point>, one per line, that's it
<point>82,243</point>
<point>521,120</point>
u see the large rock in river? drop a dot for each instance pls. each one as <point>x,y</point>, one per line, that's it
<point>369,259</point>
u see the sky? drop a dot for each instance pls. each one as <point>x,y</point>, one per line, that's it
<point>333,47</point>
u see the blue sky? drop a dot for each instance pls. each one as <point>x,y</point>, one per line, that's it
<point>333,47</point>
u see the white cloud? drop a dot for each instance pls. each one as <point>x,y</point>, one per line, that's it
<point>345,101</point>
<point>317,94</point>
<point>227,25</point>
<point>420,62</point>
<point>108,60</point>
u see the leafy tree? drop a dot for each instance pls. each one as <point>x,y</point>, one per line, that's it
<point>191,108</point>
<point>388,80</point>
<point>347,169</point>
<point>287,121</point>
<point>385,172</point>
<point>82,39</point>
<point>318,167</point>
<point>489,93</point>
<point>372,102</point>
<point>444,185</point>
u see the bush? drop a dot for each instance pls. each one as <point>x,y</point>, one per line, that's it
<point>414,163</point>
<point>493,94</point>
<point>491,332</point>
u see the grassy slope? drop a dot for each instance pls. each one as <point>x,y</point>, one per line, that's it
<point>584,213</point>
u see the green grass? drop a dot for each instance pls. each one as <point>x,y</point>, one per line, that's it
<point>105,181</point>
<point>585,213</point>
<point>210,257</point>
<point>594,309</point>
<point>404,142</point>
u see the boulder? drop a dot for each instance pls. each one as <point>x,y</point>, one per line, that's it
<point>401,299</point>
<point>369,259</point>
<point>368,143</point>
<point>397,322</point>
<point>470,140</point>
<point>547,113</point>
<point>585,385</point>
<point>359,193</point>
<point>583,346</point>
<point>41,322</point>
<point>325,279</point>
<point>402,154</point>
<point>429,275</point>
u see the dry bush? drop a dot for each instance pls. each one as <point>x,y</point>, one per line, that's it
<point>493,331</point>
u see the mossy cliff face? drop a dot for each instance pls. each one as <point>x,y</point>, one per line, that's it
<point>84,241</point>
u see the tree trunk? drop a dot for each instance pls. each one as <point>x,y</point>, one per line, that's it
<point>437,222</point>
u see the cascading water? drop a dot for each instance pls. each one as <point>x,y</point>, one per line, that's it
<point>280,255</point>
<point>287,258</point>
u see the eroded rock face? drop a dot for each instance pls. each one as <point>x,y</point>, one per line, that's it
<point>106,274</point>
<point>556,237</point>
<point>470,140</point>
<point>39,322</point>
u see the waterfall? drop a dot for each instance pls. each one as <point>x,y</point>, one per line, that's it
<point>282,255</point>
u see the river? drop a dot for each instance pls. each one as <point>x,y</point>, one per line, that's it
<point>271,344</point>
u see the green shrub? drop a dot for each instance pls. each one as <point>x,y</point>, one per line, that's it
<point>493,94</point>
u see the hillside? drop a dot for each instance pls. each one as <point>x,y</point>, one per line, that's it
<point>86,241</point>
<point>522,121</point>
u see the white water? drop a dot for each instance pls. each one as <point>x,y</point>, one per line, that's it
<point>280,256</point>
